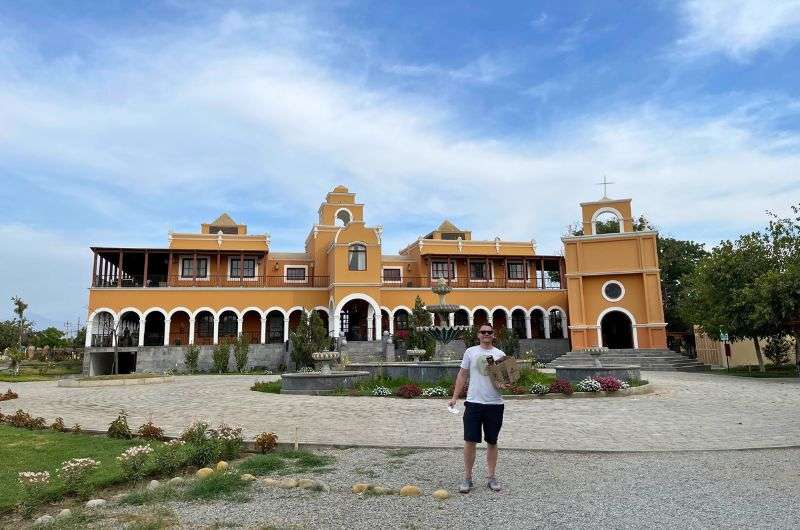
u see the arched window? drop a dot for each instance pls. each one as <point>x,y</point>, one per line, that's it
<point>556,324</point>
<point>357,257</point>
<point>342,217</point>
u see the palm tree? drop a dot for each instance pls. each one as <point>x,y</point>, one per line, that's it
<point>19,308</point>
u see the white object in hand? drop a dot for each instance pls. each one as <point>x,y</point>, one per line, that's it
<point>453,410</point>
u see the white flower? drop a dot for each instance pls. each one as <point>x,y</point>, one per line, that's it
<point>135,452</point>
<point>588,385</point>
<point>381,391</point>
<point>175,443</point>
<point>34,478</point>
<point>435,391</point>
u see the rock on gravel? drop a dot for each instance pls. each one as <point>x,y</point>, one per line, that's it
<point>288,483</point>
<point>177,481</point>
<point>153,485</point>
<point>96,503</point>
<point>44,520</point>
<point>222,465</point>
<point>247,477</point>
<point>409,490</point>
<point>204,472</point>
<point>361,487</point>
<point>441,494</point>
<point>66,512</point>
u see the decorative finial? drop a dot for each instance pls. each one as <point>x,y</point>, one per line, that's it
<point>605,184</point>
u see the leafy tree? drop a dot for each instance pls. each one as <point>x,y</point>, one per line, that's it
<point>470,336</point>
<point>241,351</point>
<point>310,336</point>
<point>677,260</point>
<point>9,333</point>
<point>221,354</point>
<point>508,341</point>
<point>191,356</point>
<point>51,336</point>
<point>611,226</point>
<point>776,350</point>
<point>420,317</point>
<point>19,309</point>
<point>17,355</point>
<point>80,338</point>
<point>722,293</point>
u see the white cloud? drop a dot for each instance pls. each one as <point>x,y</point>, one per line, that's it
<point>739,28</point>
<point>485,69</point>
<point>214,120</point>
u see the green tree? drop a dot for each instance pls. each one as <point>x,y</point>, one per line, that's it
<point>9,333</point>
<point>51,336</point>
<point>19,309</point>
<point>191,356</point>
<point>677,260</point>
<point>80,338</point>
<point>723,295</point>
<point>310,336</point>
<point>507,340</point>
<point>241,351</point>
<point>611,226</point>
<point>221,355</point>
<point>420,317</point>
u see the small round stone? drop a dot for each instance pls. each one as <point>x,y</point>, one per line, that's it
<point>288,483</point>
<point>441,495</point>
<point>44,520</point>
<point>66,512</point>
<point>176,481</point>
<point>247,477</point>
<point>222,465</point>
<point>270,481</point>
<point>361,487</point>
<point>96,503</point>
<point>153,485</point>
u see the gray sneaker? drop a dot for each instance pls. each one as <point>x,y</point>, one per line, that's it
<point>466,486</point>
<point>493,484</point>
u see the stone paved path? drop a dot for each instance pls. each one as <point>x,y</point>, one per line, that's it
<point>686,412</point>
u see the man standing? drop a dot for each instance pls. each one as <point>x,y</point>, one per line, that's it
<point>483,408</point>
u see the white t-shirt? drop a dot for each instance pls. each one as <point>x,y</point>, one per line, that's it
<point>481,389</point>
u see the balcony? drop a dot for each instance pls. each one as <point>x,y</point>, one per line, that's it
<point>546,283</point>
<point>254,282</point>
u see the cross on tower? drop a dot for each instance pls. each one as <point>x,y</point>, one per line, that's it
<point>605,184</point>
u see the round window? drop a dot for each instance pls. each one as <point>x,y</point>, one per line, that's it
<point>613,291</point>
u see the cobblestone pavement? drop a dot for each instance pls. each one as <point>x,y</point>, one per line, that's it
<point>685,412</point>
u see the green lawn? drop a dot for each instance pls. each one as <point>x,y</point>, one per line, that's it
<point>24,450</point>
<point>786,370</point>
<point>30,371</point>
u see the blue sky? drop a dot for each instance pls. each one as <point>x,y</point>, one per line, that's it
<point>120,121</point>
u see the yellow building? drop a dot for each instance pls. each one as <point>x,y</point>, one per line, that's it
<point>222,282</point>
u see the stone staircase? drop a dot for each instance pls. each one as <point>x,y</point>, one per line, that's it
<point>652,360</point>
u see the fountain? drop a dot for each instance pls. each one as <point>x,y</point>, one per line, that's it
<point>324,380</point>
<point>445,333</point>
<point>578,372</point>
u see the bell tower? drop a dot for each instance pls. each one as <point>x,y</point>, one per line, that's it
<point>613,280</point>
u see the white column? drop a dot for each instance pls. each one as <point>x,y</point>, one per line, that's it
<point>216,329</point>
<point>285,328</point>
<point>528,333</point>
<point>263,329</point>
<point>88,341</point>
<point>378,324</point>
<point>490,319</point>
<point>564,329</point>
<point>471,318</point>
<point>547,325</point>
<point>191,330</point>
<point>508,321</point>
<point>239,324</point>
<point>451,318</point>
<point>114,335</point>
<point>141,332</point>
<point>166,331</point>
<point>335,323</point>
<point>370,316</point>
<point>391,324</point>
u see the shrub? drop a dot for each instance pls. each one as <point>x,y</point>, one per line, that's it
<point>150,431</point>
<point>463,391</point>
<point>508,341</point>
<point>262,464</point>
<point>133,460</point>
<point>201,449</point>
<point>309,336</point>
<point>169,457</point>
<point>408,391</point>
<point>561,386</point>
<point>58,425</point>
<point>381,391</point>
<point>229,440</point>
<point>10,394</point>
<point>73,472</point>
<point>35,485</point>
<point>777,350</point>
<point>540,389</point>
<point>24,420</point>
<point>77,429</point>
<point>220,355</point>
<point>588,385</point>
<point>119,427</point>
<point>241,351</point>
<point>266,442</point>
<point>470,336</point>
<point>272,387</point>
<point>191,357</point>
<point>517,390</point>
<point>608,383</point>
<point>435,391</point>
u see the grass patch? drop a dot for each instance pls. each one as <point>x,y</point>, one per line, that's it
<point>76,521</point>
<point>400,453</point>
<point>785,370</point>
<point>262,464</point>
<point>24,450</point>
<point>145,496</point>
<point>26,378</point>
<point>156,519</point>
<point>271,387</point>
<point>307,459</point>
<point>217,486</point>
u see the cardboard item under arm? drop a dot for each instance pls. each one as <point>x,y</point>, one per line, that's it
<point>503,371</point>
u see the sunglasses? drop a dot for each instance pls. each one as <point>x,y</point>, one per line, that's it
<point>486,332</point>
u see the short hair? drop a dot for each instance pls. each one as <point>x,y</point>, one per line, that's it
<point>485,325</point>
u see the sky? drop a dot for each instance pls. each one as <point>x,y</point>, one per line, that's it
<point>121,121</point>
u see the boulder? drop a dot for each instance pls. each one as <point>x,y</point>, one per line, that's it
<point>409,490</point>
<point>247,477</point>
<point>380,490</point>
<point>288,483</point>
<point>44,520</point>
<point>96,503</point>
<point>177,481</point>
<point>204,472</point>
<point>270,481</point>
<point>441,495</point>
<point>361,487</point>
<point>66,512</point>
<point>153,485</point>
<point>222,465</point>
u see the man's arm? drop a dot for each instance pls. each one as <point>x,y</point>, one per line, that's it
<point>461,378</point>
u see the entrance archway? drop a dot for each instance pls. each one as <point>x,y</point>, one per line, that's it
<point>154,327</point>
<point>353,320</point>
<point>616,329</point>
<point>179,328</point>
<point>128,329</point>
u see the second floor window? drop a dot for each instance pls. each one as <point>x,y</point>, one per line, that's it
<point>392,275</point>
<point>439,270</point>
<point>357,257</point>
<point>247,271</point>
<point>296,274</point>
<point>478,270</point>
<point>516,271</point>
<point>186,267</point>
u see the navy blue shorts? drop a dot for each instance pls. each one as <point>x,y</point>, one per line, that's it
<point>477,417</point>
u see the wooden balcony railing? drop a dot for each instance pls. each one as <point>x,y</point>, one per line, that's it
<point>468,283</point>
<point>137,281</point>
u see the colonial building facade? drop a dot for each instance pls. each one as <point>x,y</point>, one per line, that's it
<point>223,282</point>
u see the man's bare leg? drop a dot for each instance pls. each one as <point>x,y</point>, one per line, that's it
<point>469,459</point>
<point>491,459</point>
